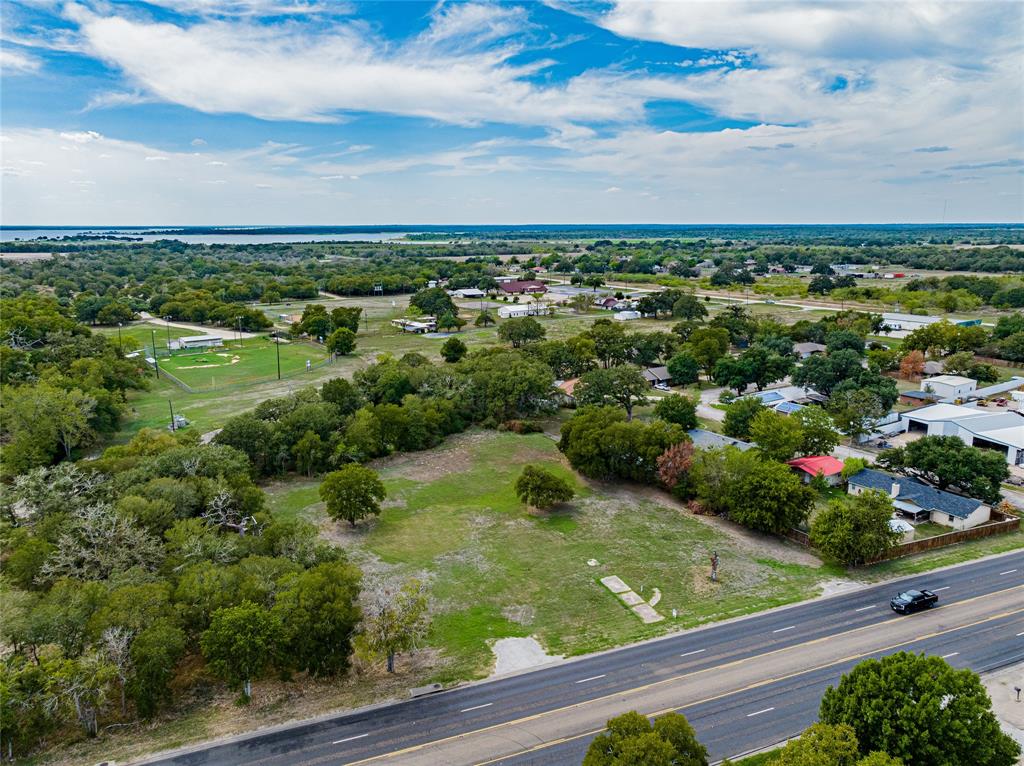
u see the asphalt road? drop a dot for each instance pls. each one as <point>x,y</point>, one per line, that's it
<point>744,684</point>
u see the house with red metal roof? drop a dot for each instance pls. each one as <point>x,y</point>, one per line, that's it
<point>824,465</point>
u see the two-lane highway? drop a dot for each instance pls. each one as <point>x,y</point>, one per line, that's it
<point>744,684</point>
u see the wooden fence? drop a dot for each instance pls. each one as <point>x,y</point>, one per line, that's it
<point>1000,524</point>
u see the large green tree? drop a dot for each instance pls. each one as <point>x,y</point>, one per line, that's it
<point>342,341</point>
<point>826,745</point>
<point>820,435</point>
<point>678,409</point>
<point>318,612</point>
<point>631,740</point>
<point>946,461</point>
<point>740,415</point>
<point>352,492</point>
<point>769,497</point>
<point>622,385</point>
<point>539,488</point>
<point>777,436</point>
<point>855,529</point>
<point>241,643</point>
<point>433,301</point>
<point>919,709</point>
<point>684,369</point>
<point>520,331</point>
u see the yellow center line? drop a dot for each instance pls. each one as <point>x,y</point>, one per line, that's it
<point>653,684</point>
<point>755,685</point>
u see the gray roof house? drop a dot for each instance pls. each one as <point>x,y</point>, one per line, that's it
<point>918,501</point>
<point>804,350</point>
<point>710,440</point>
<point>654,375</point>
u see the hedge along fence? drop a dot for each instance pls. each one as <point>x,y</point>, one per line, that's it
<point>1001,524</point>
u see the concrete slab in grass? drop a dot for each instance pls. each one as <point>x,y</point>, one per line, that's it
<point>614,584</point>
<point>647,613</point>
<point>630,598</point>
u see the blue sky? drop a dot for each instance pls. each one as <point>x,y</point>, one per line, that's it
<point>309,112</point>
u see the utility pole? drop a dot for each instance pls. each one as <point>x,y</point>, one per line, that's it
<point>173,426</point>
<point>120,345</point>
<point>156,364</point>
<point>168,326</point>
<point>277,348</point>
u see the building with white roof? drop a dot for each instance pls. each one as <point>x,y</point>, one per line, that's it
<point>195,341</point>
<point>1003,431</point>
<point>949,387</point>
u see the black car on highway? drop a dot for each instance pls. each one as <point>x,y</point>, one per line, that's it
<point>912,600</point>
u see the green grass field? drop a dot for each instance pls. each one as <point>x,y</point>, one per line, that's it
<point>497,571</point>
<point>250,360</point>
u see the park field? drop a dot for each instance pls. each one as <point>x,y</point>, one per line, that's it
<point>238,362</point>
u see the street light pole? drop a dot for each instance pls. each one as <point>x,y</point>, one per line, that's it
<point>168,326</point>
<point>120,345</point>
<point>277,347</point>
<point>156,364</point>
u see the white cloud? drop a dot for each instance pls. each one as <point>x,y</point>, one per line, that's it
<point>612,190</point>
<point>198,142</point>
<point>453,72</point>
<point>14,62</point>
<point>862,31</point>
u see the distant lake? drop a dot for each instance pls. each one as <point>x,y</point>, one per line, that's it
<point>225,238</point>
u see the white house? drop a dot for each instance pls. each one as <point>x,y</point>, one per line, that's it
<point>914,500</point>
<point>524,310</point>
<point>949,387</point>
<point>195,341</point>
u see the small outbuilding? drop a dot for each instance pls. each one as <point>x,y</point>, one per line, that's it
<point>195,342</point>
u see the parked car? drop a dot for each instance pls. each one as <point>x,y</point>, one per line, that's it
<point>1001,402</point>
<point>662,386</point>
<point>912,601</point>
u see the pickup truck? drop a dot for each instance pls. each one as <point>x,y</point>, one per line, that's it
<point>913,600</point>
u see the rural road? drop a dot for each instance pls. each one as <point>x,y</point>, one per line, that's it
<point>744,684</point>
<point>200,329</point>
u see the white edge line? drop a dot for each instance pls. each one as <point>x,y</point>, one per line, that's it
<point>476,707</point>
<point>766,710</point>
<point>869,606</point>
<point>592,678</point>
<point>1008,571</point>
<point>781,630</point>
<point>1020,634</point>
<point>944,587</point>
<point>951,654</point>
<point>349,739</point>
<point>695,651</point>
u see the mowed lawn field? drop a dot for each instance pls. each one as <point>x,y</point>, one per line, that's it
<point>496,570</point>
<point>239,362</point>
